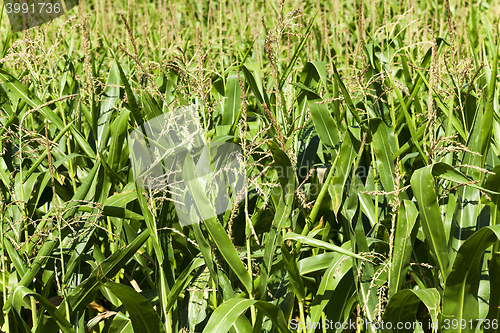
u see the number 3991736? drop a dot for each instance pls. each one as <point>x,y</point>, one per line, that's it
<point>33,8</point>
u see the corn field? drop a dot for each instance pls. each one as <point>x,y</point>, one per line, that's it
<point>250,166</point>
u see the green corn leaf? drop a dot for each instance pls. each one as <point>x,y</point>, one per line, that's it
<point>44,153</point>
<point>460,298</point>
<point>384,148</point>
<point>338,268</point>
<point>14,256</point>
<point>115,212</point>
<point>316,263</point>
<point>407,146</point>
<point>403,306</point>
<point>83,143</point>
<point>487,122</point>
<point>367,207</point>
<point>215,229</point>
<point>284,209</point>
<point>324,123</point>
<point>347,98</point>
<point>468,196</point>
<point>422,184</point>
<point>132,102</point>
<point>296,54</point>
<point>224,316</point>
<point>143,316</point>
<point>310,91</point>
<point>150,223</point>
<point>83,293</point>
<point>320,244</point>
<point>253,76</point>
<point>119,130</point>
<point>121,324</point>
<point>197,299</point>
<point>82,191</point>
<point>109,101</point>
<point>19,292</point>
<point>50,245</point>
<point>121,199</point>
<point>364,271</point>
<point>181,281</point>
<point>494,301</point>
<point>403,245</point>
<point>293,272</point>
<point>409,121</point>
<point>233,102</point>
<point>206,251</point>
<point>29,98</point>
<point>446,171</point>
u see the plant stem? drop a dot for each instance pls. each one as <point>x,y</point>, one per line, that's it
<point>302,316</point>
<point>33,313</point>
<point>249,259</point>
<point>4,268</point>
<point>314,212</point>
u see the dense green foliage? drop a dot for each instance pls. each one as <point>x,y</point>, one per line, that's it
<point>370,133</point>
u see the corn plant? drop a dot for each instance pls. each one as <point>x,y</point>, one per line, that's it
<point>365,138</point>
